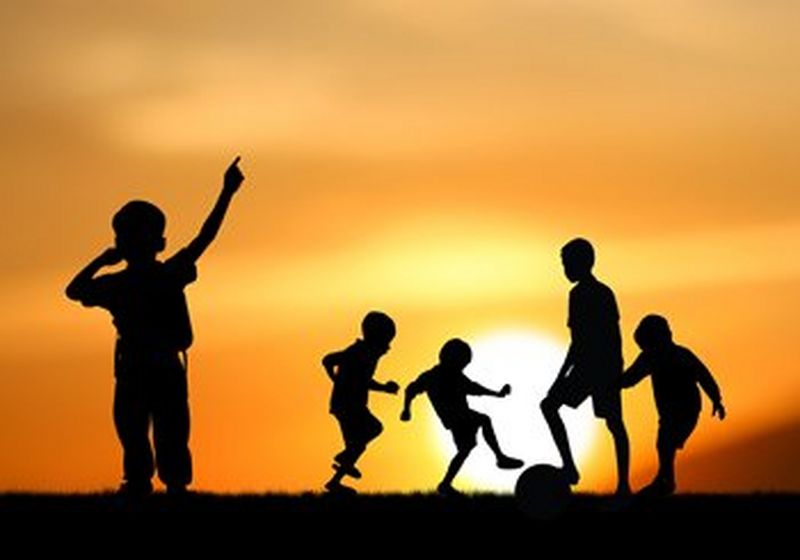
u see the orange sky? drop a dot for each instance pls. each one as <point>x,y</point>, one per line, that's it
<point>424,159</point>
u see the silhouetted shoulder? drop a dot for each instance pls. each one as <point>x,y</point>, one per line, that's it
<point>181,268</point>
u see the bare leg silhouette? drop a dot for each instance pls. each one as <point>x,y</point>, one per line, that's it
<point>550,410</point>
<point>622,449</point>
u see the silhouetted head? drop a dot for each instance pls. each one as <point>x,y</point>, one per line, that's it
<point>652,333</point>
<point>455,354</point>
<point>139,229</point>
<point>378,330</point>
<point>577,256</point>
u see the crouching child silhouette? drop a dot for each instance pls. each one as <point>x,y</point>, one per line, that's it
<point>352,371</point>
<point>675,372</point>
<point>147,303</point>
<point>447,389</point>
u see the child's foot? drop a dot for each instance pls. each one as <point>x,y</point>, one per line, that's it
<point>177,490</point>
<point>571,474</point>
<point>623,491</point>
<point>658,488</point>
<point>340,489</point>
<point>506,462</point>
<point>349,470</point>
<point>447,490</point>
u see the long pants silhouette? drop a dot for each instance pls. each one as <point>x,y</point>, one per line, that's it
<point>153,390</point>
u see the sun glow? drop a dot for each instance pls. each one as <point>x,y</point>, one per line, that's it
<point>529,362</point>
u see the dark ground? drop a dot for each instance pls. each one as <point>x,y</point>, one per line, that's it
<point>417,523</point>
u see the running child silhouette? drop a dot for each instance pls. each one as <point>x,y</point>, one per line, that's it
<point>147,303</point>
<point>447,389</point>
<point>593,364</point>
<point>352,371</point>
<point>675,373</point>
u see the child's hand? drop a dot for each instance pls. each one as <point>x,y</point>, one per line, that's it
<point>719,410</point>
<point>233,176</point>
<point>110,257</point>
<point>391,387</point>
<point>405,416</point>
<point>505,391</point>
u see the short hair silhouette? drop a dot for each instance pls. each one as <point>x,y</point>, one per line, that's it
<point>653,330</point>
<point>377,325</point>
<point>580,253</point>
<point>455,353</point>
<point>139,228</point>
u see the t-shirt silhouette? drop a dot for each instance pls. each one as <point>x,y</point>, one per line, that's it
<point>447,391</point>
<point>354,372</point>
<point>148,304</point>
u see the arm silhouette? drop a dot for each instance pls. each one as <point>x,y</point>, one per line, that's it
<point>414,388</point>
<point>331,364</point>
<point>231,183</point>
<point>79,288</point>
<point>477,389</point>
<point>389,387</point>
<point>635,373</point>
<point>710,388</point>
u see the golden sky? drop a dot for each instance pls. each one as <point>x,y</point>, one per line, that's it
<point>425,158</point>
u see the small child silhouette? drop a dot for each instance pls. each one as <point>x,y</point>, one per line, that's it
<point>148,306</point>
<point>675,372</point>
<point>352,371</point>
<point>447,389</point>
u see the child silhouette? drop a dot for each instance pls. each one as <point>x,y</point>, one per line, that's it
<point>148,306</point>
<point>352,371</point>
<point>593,363</point>
<point>447,389</point>
<point>675,373</point>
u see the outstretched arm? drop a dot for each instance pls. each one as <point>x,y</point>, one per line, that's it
<point>79,289</point>
<point>635,373</point>
<point>233,179</point>
<point>477,389</point>
<point>390,387</point>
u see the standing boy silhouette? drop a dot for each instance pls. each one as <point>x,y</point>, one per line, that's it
<point>447,388</point>
<point>147,302</point>
<point>352,371</point>
<point>593,363</point>
<point>675,372</point>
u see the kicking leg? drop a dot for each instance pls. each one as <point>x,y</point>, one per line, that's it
<point>503,460</point>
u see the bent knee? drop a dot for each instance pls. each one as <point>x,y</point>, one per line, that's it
<point>548,406</point>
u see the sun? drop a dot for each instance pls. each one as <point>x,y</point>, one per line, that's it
<point>529,362</point>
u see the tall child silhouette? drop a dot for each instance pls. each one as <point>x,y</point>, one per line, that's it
<point>149,310</point>
<point>352,371</point>
<point>447,388</point>
<point>593,363</point>
<point>675,372</point>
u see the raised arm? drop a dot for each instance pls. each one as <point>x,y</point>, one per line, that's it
<point>80,288</point>
<point>635,373</point>
<point>231,183</point>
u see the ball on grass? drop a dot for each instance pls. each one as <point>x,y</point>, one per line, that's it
<point>542,491</point>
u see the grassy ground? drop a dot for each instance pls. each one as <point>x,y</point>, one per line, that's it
<point>422,522</point>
